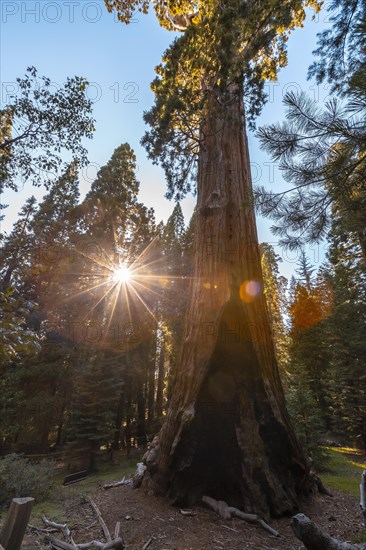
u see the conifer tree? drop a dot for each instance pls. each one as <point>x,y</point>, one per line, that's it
<point>322,150</point>
<point>226,389</point>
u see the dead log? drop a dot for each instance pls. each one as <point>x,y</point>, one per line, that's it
<point>227,512</point>
<point>314,538</point>
<point>117,483</point>
<point>101,520</point>
<point>363,495</point>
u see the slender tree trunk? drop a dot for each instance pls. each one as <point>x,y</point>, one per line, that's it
<point>160,388</point>
<point>151,388</point>
<point>141,409</point>
<point>120,414</point>
<point>127,432</point>
<point>227,433</point>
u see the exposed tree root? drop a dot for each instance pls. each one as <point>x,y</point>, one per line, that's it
<point>227,512</point>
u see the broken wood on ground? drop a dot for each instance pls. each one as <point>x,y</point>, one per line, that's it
<point>117,483</point>
<point>228,512</point>
<point>314,538</point>
<point>115,544</point>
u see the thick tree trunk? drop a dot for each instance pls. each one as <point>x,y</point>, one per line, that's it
<point>227,433</point>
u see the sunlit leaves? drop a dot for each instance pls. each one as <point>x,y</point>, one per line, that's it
<point>40,122</point>
<point>227,42</point>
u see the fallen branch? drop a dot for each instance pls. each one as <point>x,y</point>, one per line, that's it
<point>315,539</point>
<point>101,520</point>
<point>117,529</point>
<point>227,512</point>
<point>147,544</point>
<point>60,527</point>
<point>59,544</point>
<point>116,544</point>
<point>118,483</point>
<point>363,495</point>
<point>187,512</point>
<point>42,530</point>
<point>69,544</point>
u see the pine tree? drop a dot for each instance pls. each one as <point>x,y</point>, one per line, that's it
<point>275,290</point>
<point>322,151</point>
<point>309,356</point>
<point>347,336</point>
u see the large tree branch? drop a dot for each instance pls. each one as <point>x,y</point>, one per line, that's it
<point>315,539</point>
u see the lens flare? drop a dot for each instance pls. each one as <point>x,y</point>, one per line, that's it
<point>249,290</point>
<point>122,275</point>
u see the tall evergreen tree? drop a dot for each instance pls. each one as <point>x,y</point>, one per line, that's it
<point>322,151</point>
<point>346,336</point>
<point>227,389</point>
<point>275,290</point>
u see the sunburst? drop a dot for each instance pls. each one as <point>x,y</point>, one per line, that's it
<point>119,289</point>
<point>122,275</point>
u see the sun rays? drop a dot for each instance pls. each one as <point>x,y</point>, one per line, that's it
<point>115,289</point>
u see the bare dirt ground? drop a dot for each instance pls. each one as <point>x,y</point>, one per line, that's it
<point>145,518</point>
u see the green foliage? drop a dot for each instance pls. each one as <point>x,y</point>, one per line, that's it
<point>344,469</point>
<point>322,151</point>
<point>304,413</point>
<point>38,124</point>
<point>275,291</point>
<point>322,156</point>
<point>347,335</point>
<point>16,338</point>
<point>327,344</point>
<point>93,400</point>
<point>224,44</point>
<point>307,389</point>
<point>19,477</point>
<point>339,46</point>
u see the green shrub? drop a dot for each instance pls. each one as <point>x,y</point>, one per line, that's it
<point>19,477</point>
<point>306,419</point>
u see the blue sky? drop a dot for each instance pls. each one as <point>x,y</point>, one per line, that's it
<point>79,37</point>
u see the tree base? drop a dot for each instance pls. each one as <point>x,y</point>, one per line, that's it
<point>235,446</point>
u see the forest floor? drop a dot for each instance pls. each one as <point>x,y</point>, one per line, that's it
<point>146,518</point>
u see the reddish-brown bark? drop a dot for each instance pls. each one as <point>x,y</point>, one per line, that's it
<point>227,433</point>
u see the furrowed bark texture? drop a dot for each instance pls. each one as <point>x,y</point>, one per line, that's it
<point>227,433</point>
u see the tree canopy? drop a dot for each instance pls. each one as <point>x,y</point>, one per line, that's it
<point>224,43</point>
<point>38,124</point>
<point>322,150</point>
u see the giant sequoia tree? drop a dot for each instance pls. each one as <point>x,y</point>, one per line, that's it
<point>227,432</point>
